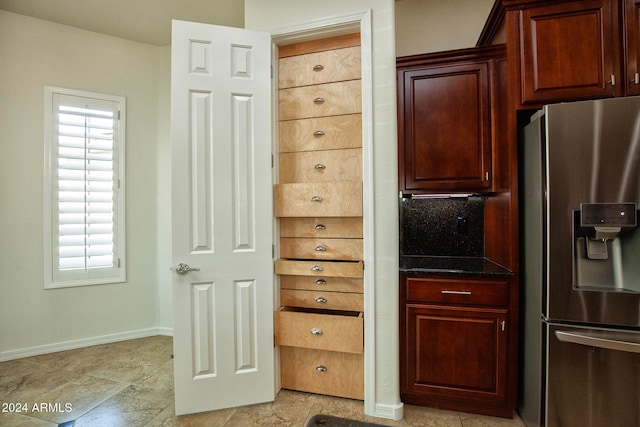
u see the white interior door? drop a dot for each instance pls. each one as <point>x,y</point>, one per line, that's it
<point>221,217</point>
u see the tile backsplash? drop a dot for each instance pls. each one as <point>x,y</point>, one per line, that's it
<point>442,226</point>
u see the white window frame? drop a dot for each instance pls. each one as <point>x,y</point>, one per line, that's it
<point>55,277</point>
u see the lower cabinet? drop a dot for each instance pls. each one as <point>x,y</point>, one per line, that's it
<point>456,338</point>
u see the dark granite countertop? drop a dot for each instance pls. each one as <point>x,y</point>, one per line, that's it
<point>464,266</point>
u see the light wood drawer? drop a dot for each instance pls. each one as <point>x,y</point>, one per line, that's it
<point>319,67</point>
<point>463,291</point>
<point>329,99</point>
<point>328,284</point>
<point>319,268</point>
<point>321,133</point>
<point>337,227</point>
<point>318,199</point>
<point>329,249</point>
<point>323,372</point>
<point>322,300</point>
<point>321,166</point>
<point>322,330</point>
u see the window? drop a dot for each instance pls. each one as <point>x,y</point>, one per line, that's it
<point>84,188</point>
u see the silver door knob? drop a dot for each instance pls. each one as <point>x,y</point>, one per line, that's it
<point>183,268</point>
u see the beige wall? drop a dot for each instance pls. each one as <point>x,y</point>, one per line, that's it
<point>36,53</point>
<point>424,26</point>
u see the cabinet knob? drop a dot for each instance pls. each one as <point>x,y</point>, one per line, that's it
<point>318,133</point>
<point>316,199</point>
<point>321,368</point>
<point>320,282</point>
<point>318,67</point>
<point>318,100</point>
<point>320,166</point>
<point>321,300</point>
<point>316,331</point>
<point>320,248</point>
<point>320,227</point>
<point>316,268</point>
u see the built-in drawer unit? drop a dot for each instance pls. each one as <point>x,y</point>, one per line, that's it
<point>324,372</point>
<point>329,249</point>
<point>322,300</point>
<point>319,268</point>
<point>329,284</point>
<point>319,199</point>
<point>321,166</point>
<point>320,329</point>
<point>451,291</point>
<point>321,133</point>
<point>319,67</point>
<point>329,99</point>
<point>345,227</point>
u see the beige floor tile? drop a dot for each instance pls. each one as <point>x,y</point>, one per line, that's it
<point>20,420</point>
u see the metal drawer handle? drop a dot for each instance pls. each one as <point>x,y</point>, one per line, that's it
<point>320,227</point>
<point>321,300</point>
<point>318,133</point>
<point>446,291</point>
<point>321,282</point>
<point>316,331</point>
<point>316,199</point>
<point>320,248</point>
<point>318,100</point>
<point>321,368</point>
<point>320,166</point>
<point>318,67</point>
<point>316,268</point>
<point>636,78</point>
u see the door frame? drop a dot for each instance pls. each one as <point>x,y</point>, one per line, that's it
<point>356,22</point>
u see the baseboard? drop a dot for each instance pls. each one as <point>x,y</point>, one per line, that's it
<point>393,412</point>
<point>84,342</point>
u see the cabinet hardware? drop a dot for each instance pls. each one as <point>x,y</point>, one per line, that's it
<point>316,331</point>
<point>316,268</point>
<point>316,199</point>
<point>636,78</point>
<point>318,67</point>
<point>486,176</point>
<point>502,325</point>
<point>613,80</point>
<point>320,166</point>
<point>320,227</point>
<point>321,300</point>
<point>320,248</point>
<point>447,291</point>
<point>318,100</point>
<point>318,133</point>
<point>321,368</point>
<point>321,282</point>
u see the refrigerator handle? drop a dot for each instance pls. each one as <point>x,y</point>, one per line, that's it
<point>598,341</point>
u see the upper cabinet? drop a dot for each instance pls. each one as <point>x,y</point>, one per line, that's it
<point>571,50</point>
<point>448,119</point>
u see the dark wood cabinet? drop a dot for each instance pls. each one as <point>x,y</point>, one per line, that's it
<point>446,119</point>
<point>573,50</point>
<point>458,343</point>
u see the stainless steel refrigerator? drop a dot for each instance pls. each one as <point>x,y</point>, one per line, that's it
<point>580,265</point>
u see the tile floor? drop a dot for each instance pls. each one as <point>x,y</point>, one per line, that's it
<point>130,383</point>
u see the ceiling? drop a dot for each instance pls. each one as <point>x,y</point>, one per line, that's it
<point>145,21</point>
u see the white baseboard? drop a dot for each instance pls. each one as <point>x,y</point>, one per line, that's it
<point>393,412</point>
<point>83,342</point>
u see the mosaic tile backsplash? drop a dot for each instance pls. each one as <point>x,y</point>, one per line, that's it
<point>442,226</point>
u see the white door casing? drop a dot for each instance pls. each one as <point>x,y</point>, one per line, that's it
<point>222,217</point>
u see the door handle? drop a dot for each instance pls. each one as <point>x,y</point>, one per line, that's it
<point>183,268</point>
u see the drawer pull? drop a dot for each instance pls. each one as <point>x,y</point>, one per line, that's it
<point>320,166</point>
<point>316,199</point>
<point>318,67</point>
<point>321,300</point>
<point>320,248</point>
<point>321,282</point>
<point>446,291</point>
<point>320,227</point>
<point>316,268</point>
<point>316,331</point>
<point>318,133</point>
<point>318,100</point>
<point>321,368</point>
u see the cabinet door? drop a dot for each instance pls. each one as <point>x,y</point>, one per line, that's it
<point>446,127</point>
<point>568,52</point>
<point>632,33</point>
<point>456,353</point>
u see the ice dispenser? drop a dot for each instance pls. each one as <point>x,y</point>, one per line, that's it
<point>605,238</point>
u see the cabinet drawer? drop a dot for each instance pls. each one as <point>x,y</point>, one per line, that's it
<point>330,249</point>
<point>322,330</point>
<point>328,99</point>
<point>348,227</point>
<point>321,133</point>
<point>319,199</point>
<point>322,300</point>
<point>321,166</point>
<point>323,372</point>
<point>328,284</point>
<point>474,292</point>
<point>354,269</point>
<point>319,67</point>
